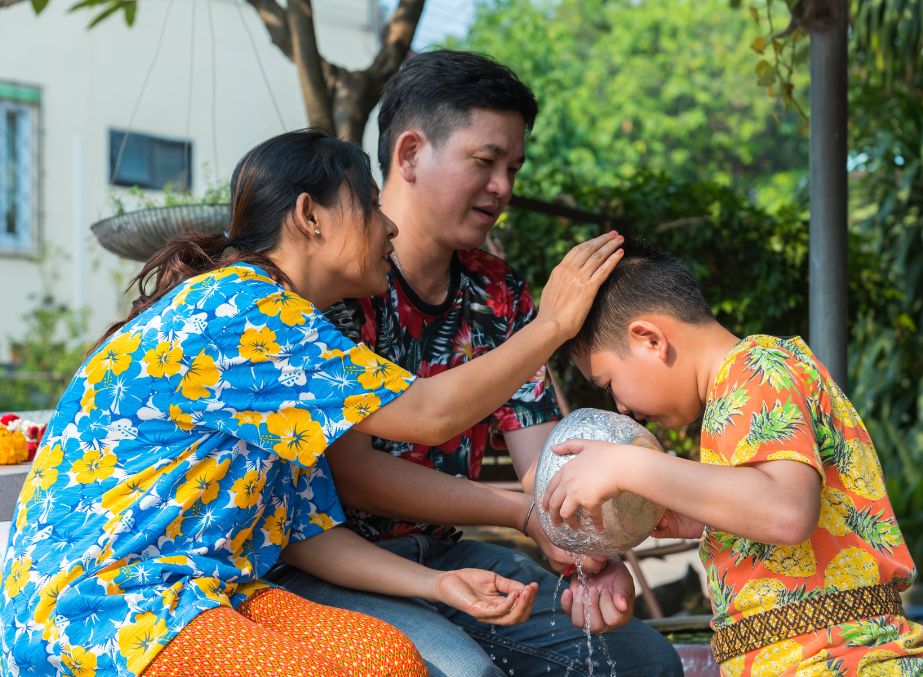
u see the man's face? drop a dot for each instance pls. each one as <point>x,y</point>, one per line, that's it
<point>641,385</point>
<point>466,182</point>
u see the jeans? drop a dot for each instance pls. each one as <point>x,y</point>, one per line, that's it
<point>453,644</point>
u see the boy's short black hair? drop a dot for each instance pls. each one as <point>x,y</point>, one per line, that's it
<point>438,90</point>
<point>646,280</point>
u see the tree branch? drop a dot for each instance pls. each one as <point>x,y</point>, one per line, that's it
<point>276,22</point>
<point>398,35</point>
<point>310,64</point>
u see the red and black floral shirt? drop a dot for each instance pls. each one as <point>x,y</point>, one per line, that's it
<point>487,302</point>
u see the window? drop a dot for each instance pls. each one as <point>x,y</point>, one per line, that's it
<point>19,107</point>
<point>149,161</point>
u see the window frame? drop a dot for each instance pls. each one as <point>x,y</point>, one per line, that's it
<point>25,99</point>
<point>151,181</point>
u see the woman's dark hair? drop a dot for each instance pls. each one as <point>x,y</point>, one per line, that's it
<point>264,187</point>
<point>646,280</point>
<point>438,90</point>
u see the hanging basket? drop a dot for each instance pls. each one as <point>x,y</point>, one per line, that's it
<point>138,234</point>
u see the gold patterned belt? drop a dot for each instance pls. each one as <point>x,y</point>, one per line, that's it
<point>803,616</point>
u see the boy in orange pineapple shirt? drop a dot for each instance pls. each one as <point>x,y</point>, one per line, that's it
<point>803,552</point>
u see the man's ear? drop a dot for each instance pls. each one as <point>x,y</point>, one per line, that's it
<point>406,153</point>
<point>648,337</point>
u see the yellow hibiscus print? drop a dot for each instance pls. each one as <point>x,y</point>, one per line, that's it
<point>291,308</point>
<point>79,661</point>
<point>248,417</point>
<point>376,372</point>
<point>323,520</point>
<point>48,597</point>
<point>215,590</point>
<point>88,401</point>
<point>276,526</point>
<point>122,496</point>
<point>201,375</point>
<point>164,360</point>
<point>182,420</point>
<point>358,407</point>
<point>114,358</point>
<point>257,345</point>
<point>247,489</point>
<point>170,596</point>
<point>44,472</point>
<point>202,482</point>
<point>19,576</point>
<point>141,640</point>
<point>94,466</point>
<point>296,436</point>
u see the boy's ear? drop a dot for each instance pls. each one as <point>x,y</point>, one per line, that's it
<point>406,152</point>
<point>648,337</point>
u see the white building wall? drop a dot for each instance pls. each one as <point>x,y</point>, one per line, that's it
<point>91,81</point>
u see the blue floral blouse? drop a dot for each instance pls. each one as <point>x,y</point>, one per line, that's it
<point>184,455</point>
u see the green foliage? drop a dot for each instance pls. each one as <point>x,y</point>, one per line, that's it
<point>123,201</point>
<point>46,356</point>
<point>661,86</point>
<point>107,8</point>
<point>886,192</point>
<point>50,349</point>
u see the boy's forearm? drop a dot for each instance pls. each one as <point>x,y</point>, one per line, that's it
<point>773,502</point>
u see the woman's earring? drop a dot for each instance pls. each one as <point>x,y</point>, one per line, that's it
<point>317,231</point>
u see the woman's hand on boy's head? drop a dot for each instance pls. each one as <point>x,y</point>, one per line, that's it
<point>573,283</point>
<point>677,525</point>
<point>585,482</point>
<point>486,596</point>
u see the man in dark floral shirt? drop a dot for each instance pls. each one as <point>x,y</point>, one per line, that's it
<point>452,133</point>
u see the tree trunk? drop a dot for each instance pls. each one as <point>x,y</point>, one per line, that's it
<point>336,99</point>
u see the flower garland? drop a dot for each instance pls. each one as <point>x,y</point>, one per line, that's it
<point>19,439</point>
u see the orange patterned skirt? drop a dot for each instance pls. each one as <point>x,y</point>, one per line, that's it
<point>277,633</point>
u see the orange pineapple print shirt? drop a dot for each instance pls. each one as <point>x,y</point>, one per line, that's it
<point>773,400</point>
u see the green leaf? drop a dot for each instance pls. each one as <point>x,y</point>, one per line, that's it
<point>39,5</point>
<point>102,16</point>
<point>131,10</point>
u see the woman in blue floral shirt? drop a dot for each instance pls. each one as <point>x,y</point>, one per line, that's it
<point>186,456</point>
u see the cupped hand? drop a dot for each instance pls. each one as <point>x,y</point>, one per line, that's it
<point>608,601</point>
<point>676,525</point>
<point>572,285</point>
<point>585,482</point>
<point>486,596</point>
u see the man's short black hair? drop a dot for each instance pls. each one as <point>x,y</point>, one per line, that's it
<point>646,280</point>
<point>438,90</point>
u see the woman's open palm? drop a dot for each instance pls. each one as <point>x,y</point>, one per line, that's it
<point>486,596</point>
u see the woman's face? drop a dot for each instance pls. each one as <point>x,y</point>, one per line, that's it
<point>358,252</point>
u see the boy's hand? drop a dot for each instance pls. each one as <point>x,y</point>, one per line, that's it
<point>610,602</point>
<point>677,525</point>
<point>585,482</point>
<point>486,596</point>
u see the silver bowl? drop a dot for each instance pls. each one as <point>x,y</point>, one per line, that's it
<point>628,518</point>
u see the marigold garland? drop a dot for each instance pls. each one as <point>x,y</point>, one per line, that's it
<point>19,439</point>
